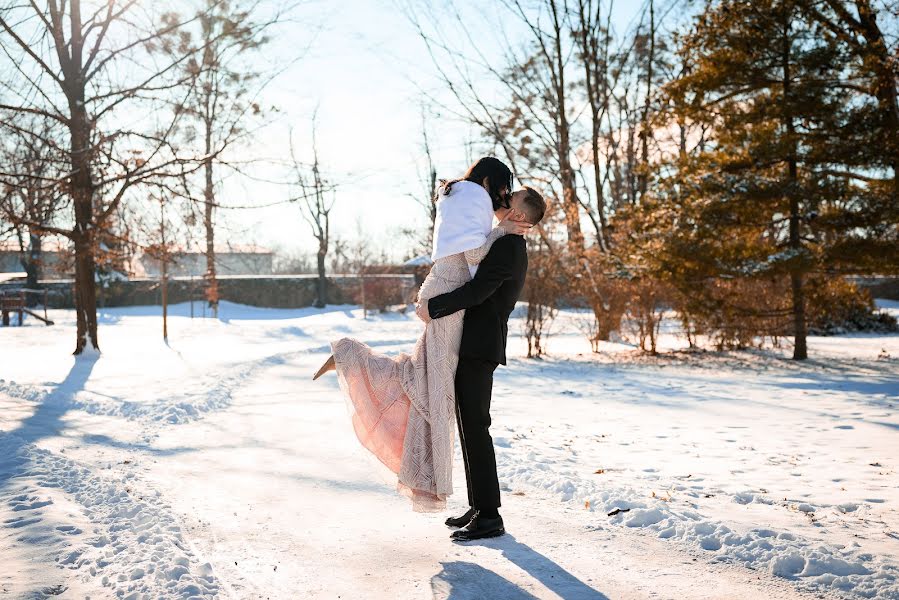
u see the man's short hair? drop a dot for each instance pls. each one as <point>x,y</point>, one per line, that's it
<point>534,205</point>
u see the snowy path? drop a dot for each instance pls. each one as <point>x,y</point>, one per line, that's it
<point>215,468</point>
<point>288,458</point>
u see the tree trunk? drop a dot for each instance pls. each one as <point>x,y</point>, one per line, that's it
<point>85,294</point>
<point>566,173</point>
<point>165,298</point>
<point>164,279</point>
<point>432,213</point>
<point>800,345</point>
<point>644,121</point>
<point>322,295</point>
<point>32,265</point>
<point>591,83</point>
<point>571,205</point>
<point>82,189</point>
<point>630,152</point>
<point>212,290</point>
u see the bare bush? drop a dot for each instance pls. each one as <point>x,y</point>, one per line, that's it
<point>544,290</point>
<point>648,299</point>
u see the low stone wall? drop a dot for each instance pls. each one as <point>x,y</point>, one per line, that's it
<point>294,291</point>
<point>291,291</point>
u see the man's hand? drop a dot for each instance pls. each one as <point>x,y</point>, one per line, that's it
<point>421,309</point>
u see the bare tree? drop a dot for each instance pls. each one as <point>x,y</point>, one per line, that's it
<point>316,197</point>
<point>593,34</point>
<point>27,207</point>
<point>83,71</point>
<point>426,196</point>
<point>226,88</point>
<point>566,116</point>
<point>161,249</point>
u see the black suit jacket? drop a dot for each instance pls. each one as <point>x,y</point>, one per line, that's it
<point>488,299</point>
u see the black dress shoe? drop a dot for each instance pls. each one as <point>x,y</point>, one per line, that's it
<point>460,521</point>
<point>478,528</point>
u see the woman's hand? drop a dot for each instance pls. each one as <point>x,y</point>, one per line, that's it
<point>421,309</point>
<point>514,223</point>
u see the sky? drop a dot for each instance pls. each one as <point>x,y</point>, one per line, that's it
<point>362,70</point>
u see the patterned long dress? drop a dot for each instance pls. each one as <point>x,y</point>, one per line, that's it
<point>403,407</point>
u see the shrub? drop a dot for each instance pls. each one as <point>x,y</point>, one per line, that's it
<point>837,306</point>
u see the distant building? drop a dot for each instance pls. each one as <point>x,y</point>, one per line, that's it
<point>56,259</point>
<point>231,260</point>
<point>57,262</point>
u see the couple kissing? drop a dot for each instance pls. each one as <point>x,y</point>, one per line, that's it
<point>405,408</point>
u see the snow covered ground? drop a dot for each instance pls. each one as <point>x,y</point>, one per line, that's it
<point>214,467</point>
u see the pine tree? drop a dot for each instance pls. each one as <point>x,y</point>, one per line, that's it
<point>765,198</point>
<point>867,151</point>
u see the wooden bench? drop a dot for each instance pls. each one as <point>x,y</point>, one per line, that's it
<point>12,302</point>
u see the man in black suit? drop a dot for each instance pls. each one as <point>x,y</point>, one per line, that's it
<point>487,299</point>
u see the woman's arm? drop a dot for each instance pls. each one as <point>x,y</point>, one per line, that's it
<point>476,255</point>
<point>513,223</point>
<point>507,257</point>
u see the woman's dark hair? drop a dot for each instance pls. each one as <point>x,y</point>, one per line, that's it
<point>498,176</point>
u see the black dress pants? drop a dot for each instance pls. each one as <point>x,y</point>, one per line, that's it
<point>474,386</point>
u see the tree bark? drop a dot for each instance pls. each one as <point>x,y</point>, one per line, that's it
<point>85,294</point>
<point>800,344</point>
<point>83,190</point>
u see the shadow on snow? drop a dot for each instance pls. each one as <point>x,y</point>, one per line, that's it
<point>460,580</point>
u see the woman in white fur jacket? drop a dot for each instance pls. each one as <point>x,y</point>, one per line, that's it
<point>403,407</point>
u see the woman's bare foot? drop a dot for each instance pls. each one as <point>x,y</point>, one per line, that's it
<point>328,366</point>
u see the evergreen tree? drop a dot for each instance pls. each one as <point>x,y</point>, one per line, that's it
<point>766,197</point>
<point>868,150</point>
